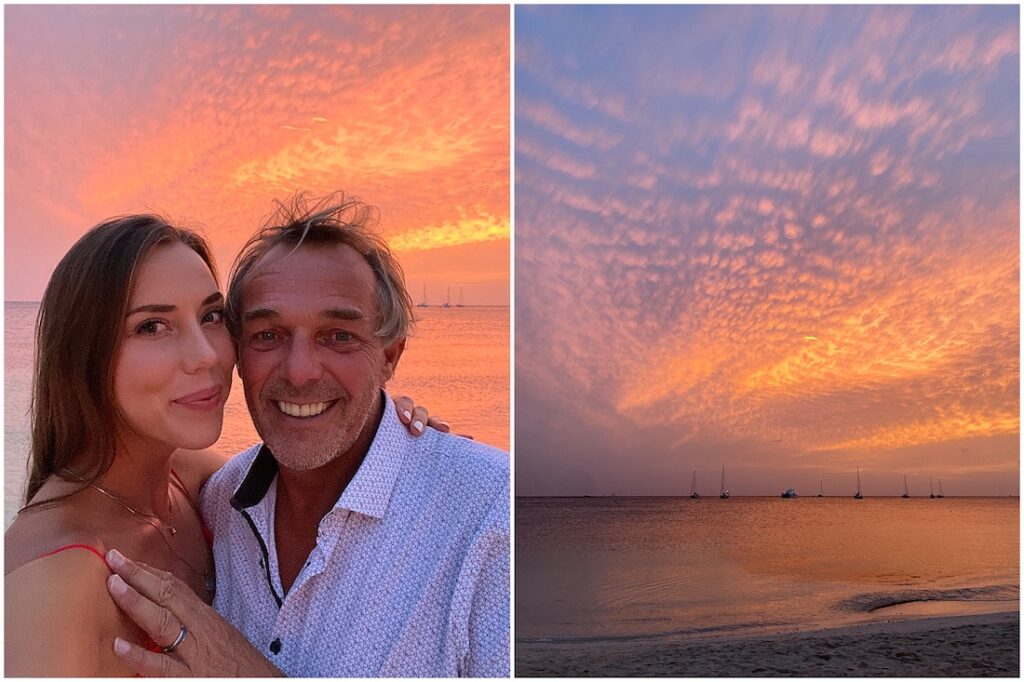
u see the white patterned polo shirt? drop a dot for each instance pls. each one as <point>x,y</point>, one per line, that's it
<point>410,573</point>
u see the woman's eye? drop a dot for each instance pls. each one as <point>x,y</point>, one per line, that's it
<point>214,316</point>
<point>265,336</point>
<point>151,327</point>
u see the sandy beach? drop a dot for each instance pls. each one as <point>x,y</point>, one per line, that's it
<point>985,645</point>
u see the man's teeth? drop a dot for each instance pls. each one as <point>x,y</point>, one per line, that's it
<point>293,410</point>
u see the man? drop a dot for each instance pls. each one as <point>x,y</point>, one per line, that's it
<point>344,546</point>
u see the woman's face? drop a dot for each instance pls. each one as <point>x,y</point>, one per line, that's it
<point>173,372</point>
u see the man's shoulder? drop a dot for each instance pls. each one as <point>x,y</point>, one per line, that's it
<point>463,458</point>
<point>469,455</point>
<point>470,474</point>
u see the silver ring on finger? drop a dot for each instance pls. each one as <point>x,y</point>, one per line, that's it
<point>182,634</point>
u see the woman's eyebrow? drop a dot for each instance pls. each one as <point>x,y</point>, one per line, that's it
<point>153,308</point>
<point>166,308</point>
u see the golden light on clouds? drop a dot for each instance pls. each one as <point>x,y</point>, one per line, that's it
<point>208,114</point>
<point>795,250</point>
<point>466,231</point>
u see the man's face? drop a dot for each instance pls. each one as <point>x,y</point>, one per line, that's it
<point>309,362</point>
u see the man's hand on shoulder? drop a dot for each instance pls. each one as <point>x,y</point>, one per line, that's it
<point>163,606</point>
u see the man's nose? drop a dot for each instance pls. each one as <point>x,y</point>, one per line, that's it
<point>301,364</point>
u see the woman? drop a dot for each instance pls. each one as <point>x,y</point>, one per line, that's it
<point>133,367</point>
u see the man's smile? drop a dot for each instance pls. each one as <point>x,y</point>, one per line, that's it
<point>303,410</point>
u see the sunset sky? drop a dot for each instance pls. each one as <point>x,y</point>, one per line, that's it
<point>782,239</point>
<point>208,114</point>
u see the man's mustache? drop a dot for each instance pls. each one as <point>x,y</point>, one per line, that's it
<point>320,391</point>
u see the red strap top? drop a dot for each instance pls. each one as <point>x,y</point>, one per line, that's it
<point>149,643</point>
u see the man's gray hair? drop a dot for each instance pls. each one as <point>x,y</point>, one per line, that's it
<point>334,219</point>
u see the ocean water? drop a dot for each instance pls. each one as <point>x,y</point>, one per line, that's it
<point>623,568</point>
<point>456,365</point>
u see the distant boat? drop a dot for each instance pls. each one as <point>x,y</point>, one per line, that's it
<point>448,301</point>
<point>423,303</point>
<point>789,493</point>
<point>725,493</point>
<point>821,489</point>
<point>906,491</point>
<point>941,494</point>
<point>460,299</point>
<point>857,495</point>
<point>693,486</point>
<point>931,488</point>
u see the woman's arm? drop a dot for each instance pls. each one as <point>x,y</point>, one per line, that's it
<point>416,417</point>
<point>59,620</point>
<point>195,466</point>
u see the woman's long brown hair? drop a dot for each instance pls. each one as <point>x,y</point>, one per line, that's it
<point>79,330</point>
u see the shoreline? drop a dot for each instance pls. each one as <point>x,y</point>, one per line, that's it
<point>977,645</point>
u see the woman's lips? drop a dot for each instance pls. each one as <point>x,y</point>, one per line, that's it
<point>201,400</point>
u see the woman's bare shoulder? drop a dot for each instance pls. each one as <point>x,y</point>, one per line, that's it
<point>59,619</point>
<point>39,532</point>
<point>195,466</point>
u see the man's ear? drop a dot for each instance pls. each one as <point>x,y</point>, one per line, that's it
<point>392,354</point>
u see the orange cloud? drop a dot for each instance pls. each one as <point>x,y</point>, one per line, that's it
<point>404,107</point>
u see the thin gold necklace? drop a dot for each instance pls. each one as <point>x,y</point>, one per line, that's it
<point>158,523</point>
<point>148,518</point>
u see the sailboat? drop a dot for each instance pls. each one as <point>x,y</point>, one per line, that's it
<point>821,489</point>
<point>460,305</point>
<point>423,303</point>
<point>725,493</point>
<point>857,495</point>
<point>941,494</point>
<point>693,486</point>
<point>906,491</point>
<point>931,488</point>
<point>448,301</point>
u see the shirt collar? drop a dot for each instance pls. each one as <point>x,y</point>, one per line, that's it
<point>369,491</point>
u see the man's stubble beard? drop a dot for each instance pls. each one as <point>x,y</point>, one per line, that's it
<point>305,456</point>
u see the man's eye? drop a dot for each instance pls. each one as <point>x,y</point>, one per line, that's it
<point>265,335</point>
<point>341,337</point>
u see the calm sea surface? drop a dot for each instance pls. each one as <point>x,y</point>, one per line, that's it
<point>457,365</point>
<point>594,568</point>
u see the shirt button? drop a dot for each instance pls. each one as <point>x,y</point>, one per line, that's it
<point>275,646</point>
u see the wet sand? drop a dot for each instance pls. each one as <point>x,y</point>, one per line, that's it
<point>985,645</point>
